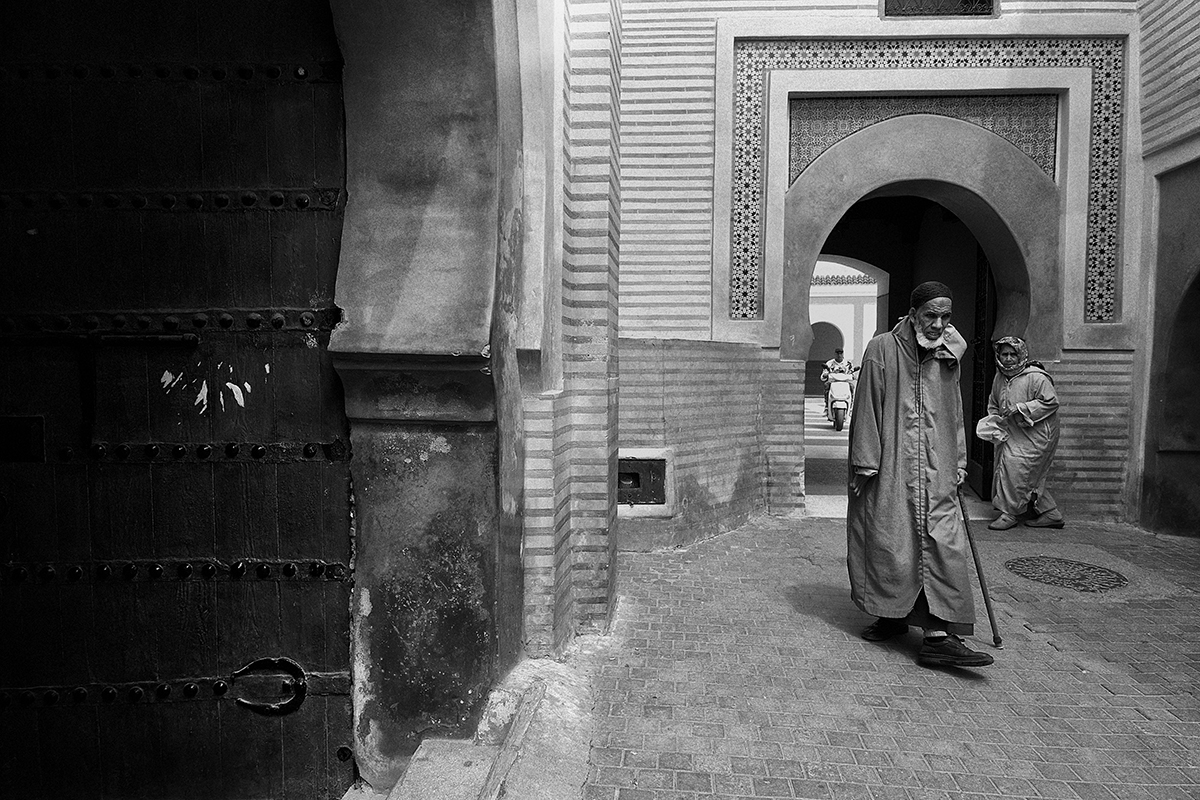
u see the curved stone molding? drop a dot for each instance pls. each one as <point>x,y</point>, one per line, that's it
<point>1028,121</point>
<point>1011,207</point>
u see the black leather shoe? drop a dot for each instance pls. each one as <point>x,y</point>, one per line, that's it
<point>884,628</point>
<point>949,651</point>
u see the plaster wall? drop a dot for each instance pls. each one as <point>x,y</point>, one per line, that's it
<point>1165,500</point>
<point>418,259</point>
<point>1172,477</point>
<point>431,288</point>
<point>424,634</point>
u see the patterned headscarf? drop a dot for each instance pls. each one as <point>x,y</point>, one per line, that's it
<point>1018,344</point>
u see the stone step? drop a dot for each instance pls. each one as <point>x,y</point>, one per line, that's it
<point>532,743</point>
<point>446,769</point>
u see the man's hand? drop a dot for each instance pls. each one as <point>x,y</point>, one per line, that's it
<point>859,482</point>
<point>962,476</point>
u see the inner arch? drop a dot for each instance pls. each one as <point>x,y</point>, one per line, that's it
<point>1009,205</point>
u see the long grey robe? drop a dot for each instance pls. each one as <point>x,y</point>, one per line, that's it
<point>1023,461</point>
<point>905,532</point>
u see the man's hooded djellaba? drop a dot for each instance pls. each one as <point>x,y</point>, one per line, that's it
<point>908,516</point>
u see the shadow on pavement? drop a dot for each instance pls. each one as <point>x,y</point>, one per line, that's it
<point>813,600</point>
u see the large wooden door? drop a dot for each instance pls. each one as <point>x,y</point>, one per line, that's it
<point>174,487</point>
<point>981,454</point>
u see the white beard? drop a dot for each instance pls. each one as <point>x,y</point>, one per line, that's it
<point>929,344</point>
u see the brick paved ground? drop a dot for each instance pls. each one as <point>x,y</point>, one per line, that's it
<point>735,670</point>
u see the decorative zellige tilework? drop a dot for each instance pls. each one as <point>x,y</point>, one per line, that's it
<point>1103,55</point>
<point>1028,121</point>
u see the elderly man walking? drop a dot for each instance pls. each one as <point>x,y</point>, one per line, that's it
<point>907,542</point>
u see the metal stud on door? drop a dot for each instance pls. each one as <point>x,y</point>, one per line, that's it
<point>175,554</point>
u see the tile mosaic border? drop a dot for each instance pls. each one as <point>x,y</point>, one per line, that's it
<point>1027,121</point>
<point>754,57</point>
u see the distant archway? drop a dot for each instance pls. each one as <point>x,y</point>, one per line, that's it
<point>883,283</point>
<point>826,339</point>
<point>1010,206</point>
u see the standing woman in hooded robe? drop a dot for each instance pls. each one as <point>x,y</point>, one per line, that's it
<point>1023,405</point>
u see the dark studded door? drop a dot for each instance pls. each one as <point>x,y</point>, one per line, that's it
<point>174,484</point>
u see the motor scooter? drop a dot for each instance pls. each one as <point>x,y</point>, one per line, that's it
<point>841,394</point>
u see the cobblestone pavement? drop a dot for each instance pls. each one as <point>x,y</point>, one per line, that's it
<point>734,669</point>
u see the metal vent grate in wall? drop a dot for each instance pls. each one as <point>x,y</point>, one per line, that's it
<point>938,8</point>
<point>642,481</point>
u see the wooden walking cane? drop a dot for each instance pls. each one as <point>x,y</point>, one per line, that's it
<point>987,600</point>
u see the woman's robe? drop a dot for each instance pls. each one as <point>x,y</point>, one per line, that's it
<point>905,531</point>
<point>1023,461</point>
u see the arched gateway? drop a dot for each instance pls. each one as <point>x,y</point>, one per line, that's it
<point>1010,206</point>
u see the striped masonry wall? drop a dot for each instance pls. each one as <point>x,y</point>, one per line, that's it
<point>541,514</point>
<point>783,433</point>
<point>719,405</point>
<point>732,415</point>
<point>582,458</point>
<point>667,130</point>
<point>1095,390</point>
<point>1170,63</point>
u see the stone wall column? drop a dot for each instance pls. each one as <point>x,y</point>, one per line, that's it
<point>429,280</point>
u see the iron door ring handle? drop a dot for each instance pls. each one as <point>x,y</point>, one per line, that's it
<point>282,664</point>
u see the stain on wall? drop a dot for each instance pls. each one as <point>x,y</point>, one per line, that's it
<point>428,281</point>
<point>707,401</point>
<point>418,252</point>
<point>424,639</point>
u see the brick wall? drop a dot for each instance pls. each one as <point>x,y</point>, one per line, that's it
<point>591,251</point>
<point>1170,59</point>
<point>570,470</point>
<point>732,414</point>
<point>539,548</point>
<point>1095,389</point>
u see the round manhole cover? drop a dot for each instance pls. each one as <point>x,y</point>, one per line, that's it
<point>1070,574</point>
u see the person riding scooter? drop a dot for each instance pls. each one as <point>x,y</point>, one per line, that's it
<point>841,397</point>
<point>838,365</point>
